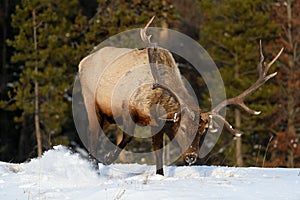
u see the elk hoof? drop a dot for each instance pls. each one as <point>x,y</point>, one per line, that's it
<point>109,158</point>
<point>160,172</point>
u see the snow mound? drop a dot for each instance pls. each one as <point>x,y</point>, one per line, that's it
<point>63,164</point>
<point>57,170</point>
<point>61,174</point>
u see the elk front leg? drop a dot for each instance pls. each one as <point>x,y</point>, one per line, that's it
<point>127,137</point>
<point>157,143</point>
<point>113,155</point>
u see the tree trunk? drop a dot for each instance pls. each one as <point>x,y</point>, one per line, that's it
<point>237,116</point>
<point>291,104</point>
<point>164,25</point>
<point>292,79</point>
<point>36,92</point>
<point>238,142</point>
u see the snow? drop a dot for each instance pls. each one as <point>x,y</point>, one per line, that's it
<point>61,174</point>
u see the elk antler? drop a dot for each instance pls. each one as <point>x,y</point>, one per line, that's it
<point>152,54</point>
<point>263,69</point>
<point>146,38</point>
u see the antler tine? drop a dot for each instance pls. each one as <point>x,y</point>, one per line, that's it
<point>263,72</point>
<point>145,38</point>
<point>228,126</point>
<point>249,110</point>
<point>274,59</point>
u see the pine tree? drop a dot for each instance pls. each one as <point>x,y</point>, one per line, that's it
<point>113,17</point>
<point>44,54</point>
<point>230,32</point>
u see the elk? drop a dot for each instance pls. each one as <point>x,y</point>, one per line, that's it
<point>158,98</point>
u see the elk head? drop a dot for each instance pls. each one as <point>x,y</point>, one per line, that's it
<point>190,130</point>
<point>186,126</point>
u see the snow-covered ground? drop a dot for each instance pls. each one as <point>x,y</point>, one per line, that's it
<point>61,174</point>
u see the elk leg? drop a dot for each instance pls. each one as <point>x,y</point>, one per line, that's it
<point>92,132</point>
<point>170,133</point>
<point>113,155</point>
<point>157,143</point>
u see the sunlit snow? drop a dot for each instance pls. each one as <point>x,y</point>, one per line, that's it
<point>61,174</point>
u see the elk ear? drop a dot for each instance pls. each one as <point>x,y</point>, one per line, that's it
<point>204,118</point>
<point>208,122</point>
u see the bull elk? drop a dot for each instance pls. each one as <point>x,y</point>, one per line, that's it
<point>163,103</point>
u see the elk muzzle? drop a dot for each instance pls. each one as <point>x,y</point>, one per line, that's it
<point>190,158</point>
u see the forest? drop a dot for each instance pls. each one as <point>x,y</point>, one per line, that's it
<point>43,41</point>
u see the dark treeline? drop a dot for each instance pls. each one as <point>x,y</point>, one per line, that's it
<point>42,43</point>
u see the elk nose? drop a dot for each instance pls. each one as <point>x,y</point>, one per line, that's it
<point>191,158</point>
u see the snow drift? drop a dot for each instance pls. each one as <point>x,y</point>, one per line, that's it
<point>61,174</point>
